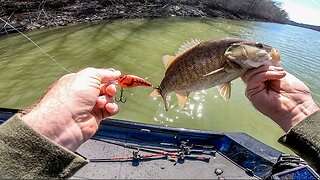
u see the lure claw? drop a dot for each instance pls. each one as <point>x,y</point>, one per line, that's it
<point>130,81</point>
<point>121,98</point>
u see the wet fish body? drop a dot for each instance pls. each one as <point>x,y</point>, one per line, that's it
<point>202,65</point>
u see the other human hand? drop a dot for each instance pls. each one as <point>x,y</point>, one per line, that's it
<point>279,95</point>
<point>71,111</point>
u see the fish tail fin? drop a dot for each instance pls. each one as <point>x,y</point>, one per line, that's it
<point>166,103</point>
<point>157,92</point>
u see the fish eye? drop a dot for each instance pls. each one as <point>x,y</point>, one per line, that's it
<point>259,45</point>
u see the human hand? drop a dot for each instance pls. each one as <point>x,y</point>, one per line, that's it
<point>71,111</point>
<point>279,95</point>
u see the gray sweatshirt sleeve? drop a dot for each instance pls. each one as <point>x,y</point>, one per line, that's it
<point>304,139</point>
<point>24,153</point>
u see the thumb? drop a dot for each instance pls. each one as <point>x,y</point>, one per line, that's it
<point>108,75</point>
<point>105,76</point>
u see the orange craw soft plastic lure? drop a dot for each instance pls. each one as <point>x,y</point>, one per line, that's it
<point>130,81</point>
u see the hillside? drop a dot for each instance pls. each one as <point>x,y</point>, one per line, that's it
<point>34,14</point>
<point>316,28</point>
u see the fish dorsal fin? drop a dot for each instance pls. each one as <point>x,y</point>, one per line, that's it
<point>182,99</point>
<point>188,45</point>
<point>168,60</point>
<point>213,72</point>
<point>225,90</point>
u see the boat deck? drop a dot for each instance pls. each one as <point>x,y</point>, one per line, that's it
<point>236,155</point>
<point>129,150</point>
<point>153,169</point>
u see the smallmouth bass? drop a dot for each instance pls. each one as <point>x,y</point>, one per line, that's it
<point>200,65</point>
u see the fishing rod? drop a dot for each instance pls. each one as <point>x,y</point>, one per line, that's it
<point>148,157</point>
<point>132,146</point>
<point>184,152</point>
<point>183,146</point>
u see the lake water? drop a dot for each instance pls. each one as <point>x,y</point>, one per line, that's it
<point>136,47</point>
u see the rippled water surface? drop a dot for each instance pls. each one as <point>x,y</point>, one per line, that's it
<point>136,47</point>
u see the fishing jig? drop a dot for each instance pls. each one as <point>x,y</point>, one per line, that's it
<point>130,81</point>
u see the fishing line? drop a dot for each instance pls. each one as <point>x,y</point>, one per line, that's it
<point>35,45</point>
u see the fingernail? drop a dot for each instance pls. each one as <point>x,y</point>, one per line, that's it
<point>102,97</point>
<point>281,72</point>
<point>111,69</point>
<point>277,68</point>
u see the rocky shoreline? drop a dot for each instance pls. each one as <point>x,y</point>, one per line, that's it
<point>28,15</point>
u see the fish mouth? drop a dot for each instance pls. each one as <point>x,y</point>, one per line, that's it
<point>235,61</point>
<point>261,58</point>
<point>275,57</point>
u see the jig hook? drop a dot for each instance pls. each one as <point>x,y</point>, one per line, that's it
<point>121,98</point>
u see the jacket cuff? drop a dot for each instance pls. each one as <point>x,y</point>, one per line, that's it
<point>304,139</point>
<point>25,153</point>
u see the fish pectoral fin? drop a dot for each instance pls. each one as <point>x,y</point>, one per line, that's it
<point>182,99</point>
<point>168,60</point>
<point>187,46</point>
<point>225,90</point>
<point>213,72</point>
<point>155,93</point>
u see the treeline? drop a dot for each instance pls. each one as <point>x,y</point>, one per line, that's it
<point>266,9</point>
<point>308,26</point>
<point>35,14</point>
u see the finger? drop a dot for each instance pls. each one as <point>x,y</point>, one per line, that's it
<point>110,110</point>
<point>103,100</point>
<point>110,90</point>
<point>250,73</point>
<point>103,113</point>
<point>259,79</point>
<point>108,75</point>
<point>266,76</point>
<point>105,76</point>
